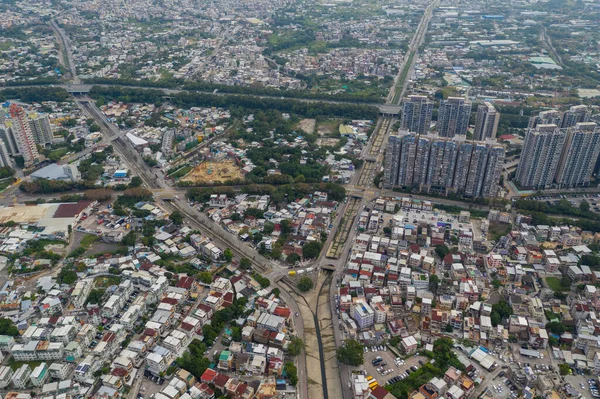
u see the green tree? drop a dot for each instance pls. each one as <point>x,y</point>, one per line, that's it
<point>449,328</point>
<point>295,347</point>
<point>500,311</point>
<point>129,239</point>
<point>136,181</point>
<point>434,282</point>
<point>305,284</point>
<point>286,227</point>
<point>584,206</point>
<point>7,327</point>
<point>205,277</point>
<point>245,264</point>
<point>496,283</point>
<point>66,276</point>
<point>292,373</point>
<point>95,296</point>
<point>228,255</point>
<point>564,369</point>
<point>442,250</point>
<point>311,250</point>
<point>268,228</point>
<point>293,258</point>
<point>176,217</point>
<point>556,327</point>
<point>351,353</point>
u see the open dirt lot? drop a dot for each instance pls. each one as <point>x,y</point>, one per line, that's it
<point>328,127</point>
<point>219,172</point>
<point>307,125</point>
<point>327,142</point>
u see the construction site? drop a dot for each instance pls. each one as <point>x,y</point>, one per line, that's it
<point>210,172</point>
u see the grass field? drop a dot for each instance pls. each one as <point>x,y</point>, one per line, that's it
<point>181,172</point>
<point>555,284</point>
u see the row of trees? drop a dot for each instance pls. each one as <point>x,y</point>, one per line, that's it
<point>237,104</point>
<point>34,94</point>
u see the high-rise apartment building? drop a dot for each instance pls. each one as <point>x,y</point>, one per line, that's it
<point>408,154</point>
<point>581,150</point>
<point>493,172</point>
<point>541,156</point>
<point>5,159</point>
<point>442,162</point>
<point>550,117</point>
<point>416,114</point>
<point>23,135</point>
<point>486,124</point>
<point>576,114</point>
<point>443,165</point>
<point>463,163</point>
<point>41,129</point>
<point>453,117</point>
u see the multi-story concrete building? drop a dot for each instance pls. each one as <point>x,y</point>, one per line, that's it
<point>6,374</point>
<point>550,117</point>
<point>463,162</point>
<point>392,161</point>
<point>408,155</point>
<point>442,162</point>
<point>576,114</point>
<point>486,124</point>
<point>476,175</point>
<point>363,314</point>
<point>80,292</point>
<point>441,165</point>
<point>41,129</point>
<point>540,156</point>
<point>39,375</point>
<point>416,114</point>
<point>20,379</point>
<point>20,128</point>
<point>493,171</point>
<point>453,117</point>
<point>579,155</point>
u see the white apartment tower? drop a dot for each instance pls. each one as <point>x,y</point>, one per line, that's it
<point>453,117</point>
<point>416,114</point>
<point>541,156</point>
<point>486,124</point>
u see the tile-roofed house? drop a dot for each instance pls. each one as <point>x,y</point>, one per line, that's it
<point>220,381</point>
<point>208,376</point>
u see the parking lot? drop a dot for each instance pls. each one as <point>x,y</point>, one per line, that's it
<point>581,383</point>
<point>388,358</point>
<point>574,199</point>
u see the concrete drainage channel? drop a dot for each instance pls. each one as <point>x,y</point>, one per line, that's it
<point>317,334</point>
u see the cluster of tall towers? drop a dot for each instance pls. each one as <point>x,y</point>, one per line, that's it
<point>560,150</point>
<point>22,132</point>
<point>443,165</point>
<point>453,117</point>
<point>445,162</point>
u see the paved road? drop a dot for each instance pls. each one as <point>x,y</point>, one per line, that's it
<point>66,47</point>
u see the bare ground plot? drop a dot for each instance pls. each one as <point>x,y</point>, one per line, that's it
<point>307,125</point>
<point>100,248</point>
<point>328,127</point>
<point>328,142</point>
<point>214,172</point>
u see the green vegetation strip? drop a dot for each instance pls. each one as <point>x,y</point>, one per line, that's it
<point>403,75</point>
